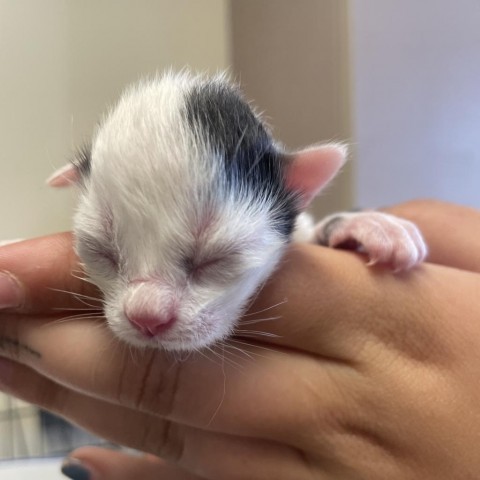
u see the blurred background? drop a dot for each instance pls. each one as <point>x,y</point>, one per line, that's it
<point>399,81</point>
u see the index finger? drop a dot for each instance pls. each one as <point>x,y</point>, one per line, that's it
<point>49,274</point>
<point>202,392</point>
<point>319,301</point>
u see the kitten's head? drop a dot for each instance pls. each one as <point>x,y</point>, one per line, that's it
<point>186,207</point>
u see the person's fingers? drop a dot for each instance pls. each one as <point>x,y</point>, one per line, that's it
<point>48,273</point>
<point>45,268</point>
<point>330,303</point>
<point>451,231</point>
<point>306,286</point>
<point>105,464</point>
<point>350,307</point>
<point>326,288</point>
<point>200,391</point>
<point>206,454</point>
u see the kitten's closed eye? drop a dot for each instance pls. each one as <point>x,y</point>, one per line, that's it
<point>221,268</point>
<point>95,251</point>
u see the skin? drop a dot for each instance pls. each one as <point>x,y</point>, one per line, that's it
<point>372,375</point>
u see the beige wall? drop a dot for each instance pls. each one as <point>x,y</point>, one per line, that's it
<point>291,58</point>
<point>34,114</point>
<point>116,42</point>
<point>61,63</point>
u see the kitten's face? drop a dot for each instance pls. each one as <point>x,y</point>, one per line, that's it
<point>171,284</point>
<point>186,207</point>
<point>171,225</point>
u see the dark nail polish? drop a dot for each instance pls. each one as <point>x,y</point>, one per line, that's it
<point>74,469</point>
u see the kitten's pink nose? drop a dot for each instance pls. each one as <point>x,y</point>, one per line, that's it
<point>150,307</point>
<point>149,324</point>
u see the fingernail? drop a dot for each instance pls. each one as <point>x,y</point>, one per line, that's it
<point>76,470</point>
<point>11,294</point>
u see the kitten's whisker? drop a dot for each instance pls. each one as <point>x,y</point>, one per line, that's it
<point>266,309</point>
<point>83,279</point>
<point>133,353</point>
<point>253,346</point>
<point>241,332</point>
<point>259,320</point>
<point>89,304</point>
<point>83,315</point>
<point>76,294</point>
<point>184,356</point>
<point>210,359</point>
<point>80,297</point>
<point>224,358</point>
<point>78,309</point>
<point>88,313</point>
<point>215,357</point>
<point>59,321</point>
<point>224,390</point>
<point>238,349</point>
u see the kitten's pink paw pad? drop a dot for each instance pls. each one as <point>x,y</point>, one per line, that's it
<point>384,238</point>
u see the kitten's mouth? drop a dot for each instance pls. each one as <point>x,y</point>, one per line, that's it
<point>178,342</point>
<point>178,334</point>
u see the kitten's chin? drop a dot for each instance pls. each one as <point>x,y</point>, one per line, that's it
<point>195,336</point>
<point>172,345</point>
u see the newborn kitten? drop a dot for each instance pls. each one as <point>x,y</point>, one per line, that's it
<point>187,205</point>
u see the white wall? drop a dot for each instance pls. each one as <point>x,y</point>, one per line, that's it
<point>61,63</point>
<point>416,109</point>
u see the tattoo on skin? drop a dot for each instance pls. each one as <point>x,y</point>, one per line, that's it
<point>8,344</point>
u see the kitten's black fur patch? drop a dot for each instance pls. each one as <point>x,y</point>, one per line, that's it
<point>218,111</point>
<point>83,160</point>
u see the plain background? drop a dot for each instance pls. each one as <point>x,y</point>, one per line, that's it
<point>416,99</point>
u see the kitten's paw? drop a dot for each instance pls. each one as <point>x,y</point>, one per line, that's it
<point>384,238</point>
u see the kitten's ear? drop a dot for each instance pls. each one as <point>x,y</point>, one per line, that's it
<point>310,170</point>
<point>64,177</point>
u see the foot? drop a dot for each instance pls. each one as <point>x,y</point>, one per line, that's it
<point>386,239</point>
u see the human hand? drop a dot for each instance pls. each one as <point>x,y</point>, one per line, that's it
<point>372,375</point>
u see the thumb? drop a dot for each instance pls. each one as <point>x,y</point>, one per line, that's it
<point>92,463</point>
